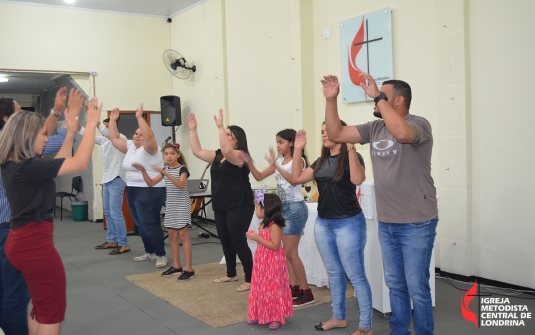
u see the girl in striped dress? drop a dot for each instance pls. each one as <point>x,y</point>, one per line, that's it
<point>177,207</point>
<point>270,298</point>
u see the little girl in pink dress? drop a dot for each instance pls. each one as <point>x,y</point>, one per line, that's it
<point>270,298</point>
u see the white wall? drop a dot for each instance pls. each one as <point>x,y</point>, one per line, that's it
<point>125,50</point>
<point>264,71</point>
<point>262,61</point>
<point>250,66</point>
<point>443,49</point>
<point>198,35</point>
<point>502,124</point>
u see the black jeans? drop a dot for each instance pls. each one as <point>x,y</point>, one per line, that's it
<point>232,224</point>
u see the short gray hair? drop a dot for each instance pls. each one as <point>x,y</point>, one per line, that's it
<point>18,136</point>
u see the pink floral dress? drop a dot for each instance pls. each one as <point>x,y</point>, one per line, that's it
<point>270,298</point>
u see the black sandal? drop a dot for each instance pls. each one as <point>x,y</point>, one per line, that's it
<point>319,326</point>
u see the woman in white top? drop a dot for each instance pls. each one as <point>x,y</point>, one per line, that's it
<point>144,202</point>
<point>295,210</point>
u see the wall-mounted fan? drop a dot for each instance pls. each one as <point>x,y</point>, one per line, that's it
<point>177,64</point>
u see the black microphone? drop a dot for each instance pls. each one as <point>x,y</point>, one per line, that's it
<point>167,139</point>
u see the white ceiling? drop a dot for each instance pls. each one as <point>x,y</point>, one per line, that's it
<point>163,8</point>
<point>32,83</point>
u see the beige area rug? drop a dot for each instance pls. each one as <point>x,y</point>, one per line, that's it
<point>218,305</point>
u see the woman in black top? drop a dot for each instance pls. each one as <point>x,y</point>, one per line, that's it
<point>340,229</point>
<point>30,189</point>
<point>232,197</point>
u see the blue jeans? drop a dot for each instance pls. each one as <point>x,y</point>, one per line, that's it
<point>145,204</point>
<point>407,252</point>
<point>296,215</point>
<point>14,294</point>
<point>341,245</point>
<point>113,211</point>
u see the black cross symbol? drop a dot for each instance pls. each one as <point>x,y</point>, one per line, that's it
<point>367,48</point>
<point>479,295</point>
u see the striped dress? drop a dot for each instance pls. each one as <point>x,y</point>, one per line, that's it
<point>177,206</point>
<point>270,298</point>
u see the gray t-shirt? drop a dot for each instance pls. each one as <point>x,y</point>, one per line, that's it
<point>404,188</point>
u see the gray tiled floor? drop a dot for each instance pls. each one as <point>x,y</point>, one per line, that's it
<point>101,301</point>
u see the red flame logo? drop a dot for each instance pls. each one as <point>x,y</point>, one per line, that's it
<point>467,313</point>
<point>352,52</point>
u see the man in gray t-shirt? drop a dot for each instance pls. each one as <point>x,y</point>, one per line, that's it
<point>401,146</point>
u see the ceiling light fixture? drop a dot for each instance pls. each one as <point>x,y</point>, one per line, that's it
<point>69,1</point>
<point>4,79</point>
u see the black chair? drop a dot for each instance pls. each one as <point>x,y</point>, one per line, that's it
<point>76,186</point>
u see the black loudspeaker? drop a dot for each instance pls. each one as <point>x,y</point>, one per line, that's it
<point>171,112</point>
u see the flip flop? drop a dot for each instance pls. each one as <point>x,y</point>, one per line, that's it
<point>230,279</point>
<point>319,326</point>
<point>106,245</point>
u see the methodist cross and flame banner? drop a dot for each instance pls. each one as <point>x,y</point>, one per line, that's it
<point>366,46</point>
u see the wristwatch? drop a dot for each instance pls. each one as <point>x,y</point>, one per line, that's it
<point>53,113</point>
<point>351,148</point>
<point>380,97</point>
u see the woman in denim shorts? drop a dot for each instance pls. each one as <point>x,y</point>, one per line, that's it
<point>295,210</point>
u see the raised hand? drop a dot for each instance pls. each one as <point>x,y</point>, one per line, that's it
<point>76,100</point>
<point>370,89</point>
<point>138,166</point>
<point>300,139</point>
<point>114,114</point>
<point>71,122</point>
<point>270,156</point>
<point>93,112</point>
<point>157,168</point>
<point>219,119</point>
<point>192,121</point>
<point>139,111</point>
<point>331,86</point>
<point>61,99</point>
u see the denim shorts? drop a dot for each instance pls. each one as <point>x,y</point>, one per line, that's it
<point>296,215</point>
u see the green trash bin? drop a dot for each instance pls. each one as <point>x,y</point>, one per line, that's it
<point>79,211</point>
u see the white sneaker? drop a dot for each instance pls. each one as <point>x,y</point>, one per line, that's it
<point>161,261</point>
<point>145,257</point>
